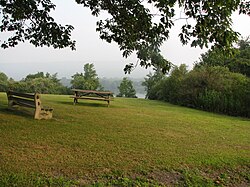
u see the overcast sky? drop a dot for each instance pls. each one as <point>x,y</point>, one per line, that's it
<point>25,58</point>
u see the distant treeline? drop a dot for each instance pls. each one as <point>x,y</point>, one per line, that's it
<point>49,84</point>
<point>39,82</point>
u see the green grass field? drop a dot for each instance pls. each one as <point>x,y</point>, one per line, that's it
<point>134,142</point>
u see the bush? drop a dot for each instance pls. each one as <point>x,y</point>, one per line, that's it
<point>213,89</point>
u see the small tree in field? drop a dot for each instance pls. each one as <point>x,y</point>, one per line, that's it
<point>126,89</point>
<point>87,81</point>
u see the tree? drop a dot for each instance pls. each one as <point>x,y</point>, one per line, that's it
<point>210,88</point>
<point>216,89</point>
<point>77,81</point>
<point>30,20</point>
<point>152,82</point>
<point>126,89</point>
<point>34,76</point>
<point>90,77</point>
<point>130,24</point>
<point>40,83</point>
<point>18,86</point>
<point>3,82</point>
<point>239,63</point>
<point>87,81</point>
<point>172,85</point>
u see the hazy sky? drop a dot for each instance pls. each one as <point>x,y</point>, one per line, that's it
<point>25,58</point>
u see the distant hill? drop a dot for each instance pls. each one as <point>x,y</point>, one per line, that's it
<point>65,82</point>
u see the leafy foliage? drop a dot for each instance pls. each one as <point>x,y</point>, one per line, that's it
<point>47,83</point>
<point>216,89</point>
<point>210,88</point>
<point>39,83</point>
<point>239,63</point>
<point>30,20</point>
<point>126,89</point>
<point>87,81</point>
<point>152,82</point>
<point>3,82</point>
<point>171,87</point>
<point>131,24</point>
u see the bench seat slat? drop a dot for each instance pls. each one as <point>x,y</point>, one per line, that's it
<point>92,98</point>
<point>92,91</point>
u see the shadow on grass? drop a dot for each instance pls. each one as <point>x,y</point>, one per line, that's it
<point>19,112</point>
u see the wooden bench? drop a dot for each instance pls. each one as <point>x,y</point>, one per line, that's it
<point>29,100</point>
<point>92,95</point>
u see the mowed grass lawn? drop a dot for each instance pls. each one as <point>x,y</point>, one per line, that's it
<point>133,142</point>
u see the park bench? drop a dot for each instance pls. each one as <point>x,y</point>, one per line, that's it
<point>92,95</point>
<point>30,100</point>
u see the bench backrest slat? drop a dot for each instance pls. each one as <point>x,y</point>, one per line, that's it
<point>26,95</point>
<point>27,102</point>
<point>25,99</point>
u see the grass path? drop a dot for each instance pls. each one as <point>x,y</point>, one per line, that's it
<point>132,137</point>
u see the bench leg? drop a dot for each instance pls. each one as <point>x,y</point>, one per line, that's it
<point>37,113</point>
<point>43,114</point>
<point>75,101</point>
<point>10,104</point>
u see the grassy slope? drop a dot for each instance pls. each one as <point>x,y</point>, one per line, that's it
<point>132,136</point>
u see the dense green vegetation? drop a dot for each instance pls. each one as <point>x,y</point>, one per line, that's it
<point>214,89</point>
<point>3,82</point>
<point>38,82</point>
<point>217,83</point>
<point>134,142</point>
<point>239,63</point>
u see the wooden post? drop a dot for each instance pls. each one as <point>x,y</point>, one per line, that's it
<point>10,102</point>
<point>38,106</point>
<point>108,99</point>
<point>75,99</point>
